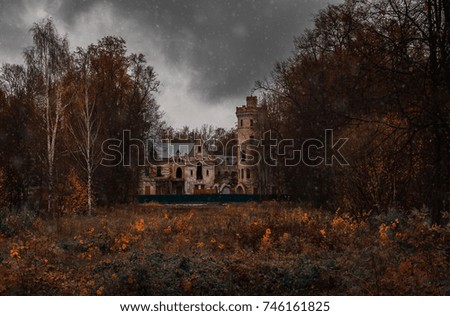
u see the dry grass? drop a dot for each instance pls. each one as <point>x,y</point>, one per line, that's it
<point>245,249</point>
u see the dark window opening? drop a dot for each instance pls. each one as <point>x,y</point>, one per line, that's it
<point>207,172</point>
<point>199,149</point>
<point>199,171</point>
<point>242,122</point>
<point>158,171</point>
<point>248,173</point>
<point>147,171</point>
<point>251,122</point>
<point>242,173</point>
<point>192,173</point>
<point>218,173</point>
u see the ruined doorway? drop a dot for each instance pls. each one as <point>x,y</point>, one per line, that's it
<point>179,173</point>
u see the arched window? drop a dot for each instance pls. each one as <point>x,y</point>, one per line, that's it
<point>242,173</point>
<point>179,173</point>
<point>199,171</point>
<point>207,172</point>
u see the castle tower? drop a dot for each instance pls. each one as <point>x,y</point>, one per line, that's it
<point>249,120</point>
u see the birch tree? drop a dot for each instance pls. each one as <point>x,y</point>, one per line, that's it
<point>84,127</point>
<point>49,60</point>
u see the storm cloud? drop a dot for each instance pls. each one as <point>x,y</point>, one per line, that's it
<point>207,54</point>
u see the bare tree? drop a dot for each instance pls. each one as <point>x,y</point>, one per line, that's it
<point>84,127</point>
<point>49,60</point>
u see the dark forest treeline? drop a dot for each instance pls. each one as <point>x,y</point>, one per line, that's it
<point>58,108</point>
<point>377,73</point>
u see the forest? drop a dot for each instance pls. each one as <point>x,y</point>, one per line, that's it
<point>377,73</point>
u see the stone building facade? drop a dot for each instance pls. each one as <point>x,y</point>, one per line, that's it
<point>180,167</point>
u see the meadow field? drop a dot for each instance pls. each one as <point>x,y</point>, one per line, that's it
<point>241,249</point>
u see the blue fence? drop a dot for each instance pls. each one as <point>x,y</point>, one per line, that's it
<point>209,198</point>
<point>199,198</point>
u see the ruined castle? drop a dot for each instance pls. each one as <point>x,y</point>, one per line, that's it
<point>191,167</point>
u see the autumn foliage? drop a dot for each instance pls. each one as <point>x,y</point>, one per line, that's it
<point>247,249</point>
<point>376,73</point>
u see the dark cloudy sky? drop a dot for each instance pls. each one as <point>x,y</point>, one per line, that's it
<point>207,53</point>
